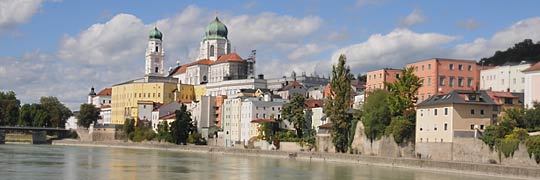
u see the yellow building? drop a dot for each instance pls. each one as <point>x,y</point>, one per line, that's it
<point>200,90</point>
<point>150,88</point>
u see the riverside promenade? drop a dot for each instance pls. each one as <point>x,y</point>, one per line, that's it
<point>426,165</point>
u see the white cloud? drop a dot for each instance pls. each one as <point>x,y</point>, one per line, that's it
<point>480,48</point>
<point>304,51</point>
<point>112,52</point>
<point>469,24</point>
<point>394,49</point>
<point>15,12</point>
<point>416,17</point>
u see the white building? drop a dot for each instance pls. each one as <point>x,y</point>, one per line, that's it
<point>508,77</point>
<point>238,114</point>
<point>102,100</point>
<point>233,87</point>
<point>315,92</point>
<point>163,110</point>
<point>532,85</point>
<point>358,101</point>
<point>307,81</point>
<point>203,114</point>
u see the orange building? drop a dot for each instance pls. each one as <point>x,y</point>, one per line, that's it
<point>442,76</point>
<point>376,79</point>
<point>219,103</point>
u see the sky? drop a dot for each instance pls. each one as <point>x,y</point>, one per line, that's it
<point>62,48</point>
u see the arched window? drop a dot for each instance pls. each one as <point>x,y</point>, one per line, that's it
<point>157,69</point>
<point>212,50</point>
<point>204,78</point>
<point>157,50</point>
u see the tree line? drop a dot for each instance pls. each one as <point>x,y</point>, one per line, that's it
<point>525,50</point>
<point>49,112</point>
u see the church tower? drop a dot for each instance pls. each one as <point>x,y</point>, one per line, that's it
<point>214,42</point>
<point>154,54</point>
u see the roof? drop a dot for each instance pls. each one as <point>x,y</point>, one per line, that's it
<point>169,116</point>
<point>459,97</point>
<point>291,85</point>
<point>263,120</point>
<point>105,92</point>
<point>313,103</point>
<point>264,90</point>
<point>443,59</point>
<point>231,57</point>
<point>496,95</point>
<point>326,126</point>
<point>535,67</point>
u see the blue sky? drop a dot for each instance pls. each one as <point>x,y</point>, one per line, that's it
<point>61,48</point>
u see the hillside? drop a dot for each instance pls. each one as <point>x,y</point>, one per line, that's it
<point>526,50</point>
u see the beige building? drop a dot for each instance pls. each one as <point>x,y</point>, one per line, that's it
<point>126,96</point>
<point>442,118</point>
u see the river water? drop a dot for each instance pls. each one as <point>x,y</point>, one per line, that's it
<point>61,162</point>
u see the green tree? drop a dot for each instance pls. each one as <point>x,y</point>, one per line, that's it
<point>294,112</point>
<point>88,114</point>
<point>525,50</point>
<point>403,92</point>
<point>182,126</point>
<point>164,133</point>
<point>401,128</point>
<point>58,112</point>
<point>337,105</point>
<point>129,128</point>
<point>376,114</point>
<point>9,108</point>
<point>142,133</point>
<point>26,115</point>
<point>531,118</point>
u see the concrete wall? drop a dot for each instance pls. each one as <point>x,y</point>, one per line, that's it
<point>289,146</point>
<point>324,144</point>
<point>474,151</point>
<point>39,137</point>
<point>386,146</point>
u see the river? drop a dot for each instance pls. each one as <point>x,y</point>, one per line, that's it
<point>64,162</point>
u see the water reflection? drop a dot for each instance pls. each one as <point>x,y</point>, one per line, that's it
<point>57,162</point>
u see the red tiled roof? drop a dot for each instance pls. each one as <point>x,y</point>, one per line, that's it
<point>327,126</point>
<point>262,120</point>
<point>294,83</point>
<point>184,67</point>
<point>231,57</point>
<point>170,116</point>
<point>535,67</point>
<point>105,92</point>
<point>313,103</point>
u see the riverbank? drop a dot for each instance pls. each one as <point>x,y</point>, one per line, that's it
<point>427,165</point>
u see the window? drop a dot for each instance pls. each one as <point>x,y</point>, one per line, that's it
<point>421,113</point>
<point>422,67</point>
<point>421,129</point>
<point>416,68</point>
<point>451,82</point>
<point>158,94</point>
<point>460,67</point>
<point>446,126</point>
<point>472,111</point>
<point>469,82</point>
<point>435,127</point>
<point>380,75</point>
<point>481,127</point>
<point>157,49</point>
<point>522,80</point>
<point>470,68</point>
<point>211,50</point>
<point>451,66</point>
<point>429,81</point>
<point>472,126</point>
<point>502,81</point>
<point>460,81</point>
<point>514,80</point>
<point>435,112</point>
<point>441,80</point>
<point>429,66</point>
<point>445,111</point>
<point>481,112</point>
<point>397,76</point>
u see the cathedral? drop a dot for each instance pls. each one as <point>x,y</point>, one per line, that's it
<point>216,62</point>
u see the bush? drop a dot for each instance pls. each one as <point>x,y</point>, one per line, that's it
<point>533,148</point>
<point>400,128</point>
<point>196,138</point>
<point>143,133</point>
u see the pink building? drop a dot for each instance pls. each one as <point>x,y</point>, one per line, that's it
<point>376,79</point>
<point>442,76</point>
